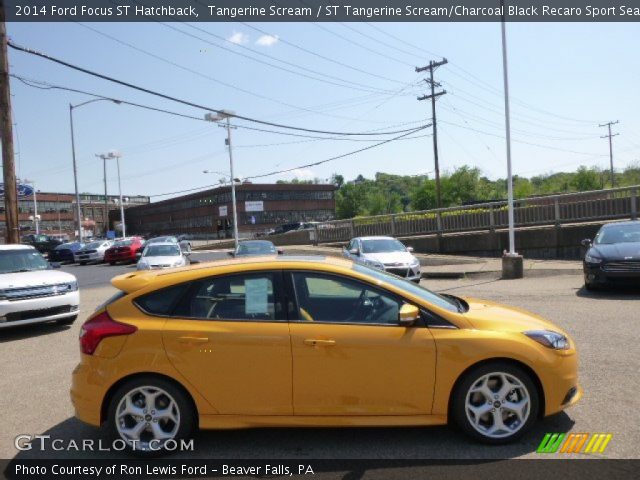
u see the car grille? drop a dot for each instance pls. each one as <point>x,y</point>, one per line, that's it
<point>84,252</point>
<point>44,312</point>
<point>401,272</point>
<point>16,294</point>
<point>622,267</point>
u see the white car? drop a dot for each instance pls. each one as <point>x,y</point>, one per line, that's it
<point>162,255</point>
<point>384,253</point>
<point>92,252</point>
<point>31,291</point>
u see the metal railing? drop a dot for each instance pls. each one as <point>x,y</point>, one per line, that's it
<point>561,209</point>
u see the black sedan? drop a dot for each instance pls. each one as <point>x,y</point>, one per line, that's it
<point>64,253</point>
<point>255,247</point>
<point>613,256</point>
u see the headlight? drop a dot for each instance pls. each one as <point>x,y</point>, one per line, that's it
<point>415,263</point>
<point>144,266</point>
<point>178,263</point>
<point>549,339</point>
<point>73,286</point>
<point>591,259</point>
<point>374,264</point>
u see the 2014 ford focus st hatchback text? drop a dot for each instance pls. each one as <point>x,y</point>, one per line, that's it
<point>312,341</point>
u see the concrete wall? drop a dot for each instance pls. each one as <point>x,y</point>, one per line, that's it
<point>542,242</point>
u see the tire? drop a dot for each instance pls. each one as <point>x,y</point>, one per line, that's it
<point>479,424</point>
<point>112,263</point>
<point>83,263</point>
<point>67,321</point>
<point>171,398</point>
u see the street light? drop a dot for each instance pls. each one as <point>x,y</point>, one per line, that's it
<point>73,154</point>
<point>227,114</point>
<point>105,213</point>
<point>36,217</point>
<point>109,156</point>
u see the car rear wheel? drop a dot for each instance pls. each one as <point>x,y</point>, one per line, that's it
<point>496,403</point>
<point>83,263</point>
<point>67,321</point>
<point>150,415</point>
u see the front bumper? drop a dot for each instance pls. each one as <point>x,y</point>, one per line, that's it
<point>120,257</point>
<point>405,271</point>
<point>88,257</point>
<point>38,310</point>
<point>614,272</point>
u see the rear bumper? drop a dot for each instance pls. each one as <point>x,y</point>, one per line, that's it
<point>87,393</point>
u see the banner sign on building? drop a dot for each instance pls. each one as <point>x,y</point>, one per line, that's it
<point>222,211</point>
<point>23,189</point>
<point>256,206</point>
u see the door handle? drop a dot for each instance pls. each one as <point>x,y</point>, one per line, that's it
<point>312,342</point>
<point>188,339</point>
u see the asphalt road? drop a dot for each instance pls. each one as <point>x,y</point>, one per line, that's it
<point>37,362</point>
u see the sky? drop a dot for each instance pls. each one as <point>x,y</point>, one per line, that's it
<point>565,79</point>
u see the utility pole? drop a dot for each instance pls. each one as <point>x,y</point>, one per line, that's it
<point>105,213</point>
<point>431,67</point>
<point>609,135</point>
<point>6,136</point>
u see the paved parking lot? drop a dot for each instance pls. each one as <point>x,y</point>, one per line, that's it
<point>37,362</point>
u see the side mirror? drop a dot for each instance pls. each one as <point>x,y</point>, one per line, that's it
<point>354,251</point>
<point>408,315</point>
<point>54,264</point>
<point>586,243</point>
<point>410,249</point>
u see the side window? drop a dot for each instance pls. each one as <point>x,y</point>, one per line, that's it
<point>336,299</point>
<point>162,302</point>
<point>250,297</point>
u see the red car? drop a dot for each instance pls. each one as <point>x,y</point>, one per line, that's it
<point>124,250</point>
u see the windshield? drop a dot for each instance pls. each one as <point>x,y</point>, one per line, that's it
<point>123,243</point>
<point>410,287</point>
<point>255,248</point>
<point>92,245</point>
<point>162,251</point>
<point>380,245</point>
<point>618,234</point>
<point>163,240</point>
<point>12,261</point>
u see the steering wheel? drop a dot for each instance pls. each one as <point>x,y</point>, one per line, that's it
<point>363,308</point>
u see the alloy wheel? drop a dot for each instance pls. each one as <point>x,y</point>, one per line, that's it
<point>497,405</point>
<point>146,417</point>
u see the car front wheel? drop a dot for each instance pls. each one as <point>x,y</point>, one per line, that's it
<point>150,415</point>
<point>496,403</point>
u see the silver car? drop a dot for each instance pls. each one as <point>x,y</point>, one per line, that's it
<point>162,255</point>
<point>384,253</point>
<point>92,252</point>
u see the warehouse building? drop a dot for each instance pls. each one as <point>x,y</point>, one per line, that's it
<point>261,209</point>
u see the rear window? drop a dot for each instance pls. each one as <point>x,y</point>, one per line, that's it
<point>162,302</point>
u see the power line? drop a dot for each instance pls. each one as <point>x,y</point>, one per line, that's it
<point>185,102</point>
<point>320,162</point>
<point>315,54</point>
<point>203,75</point>
<point>334,80</point>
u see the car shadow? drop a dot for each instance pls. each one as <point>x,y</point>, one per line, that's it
<point>28,331</point>
<point>618,292</point>
<point>406,443</point>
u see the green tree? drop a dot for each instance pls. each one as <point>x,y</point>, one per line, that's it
<point>586,179</point>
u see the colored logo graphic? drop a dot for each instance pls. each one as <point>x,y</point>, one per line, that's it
<point>574,443</point>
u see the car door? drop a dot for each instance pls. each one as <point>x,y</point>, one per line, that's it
<point>229,338</point>
<point>350,355</point>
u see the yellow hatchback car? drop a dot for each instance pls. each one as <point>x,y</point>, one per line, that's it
<point>312,341</point>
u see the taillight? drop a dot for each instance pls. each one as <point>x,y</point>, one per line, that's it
<point>99,327</point>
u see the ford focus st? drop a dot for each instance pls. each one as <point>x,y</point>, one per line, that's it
<point>312,341</point>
